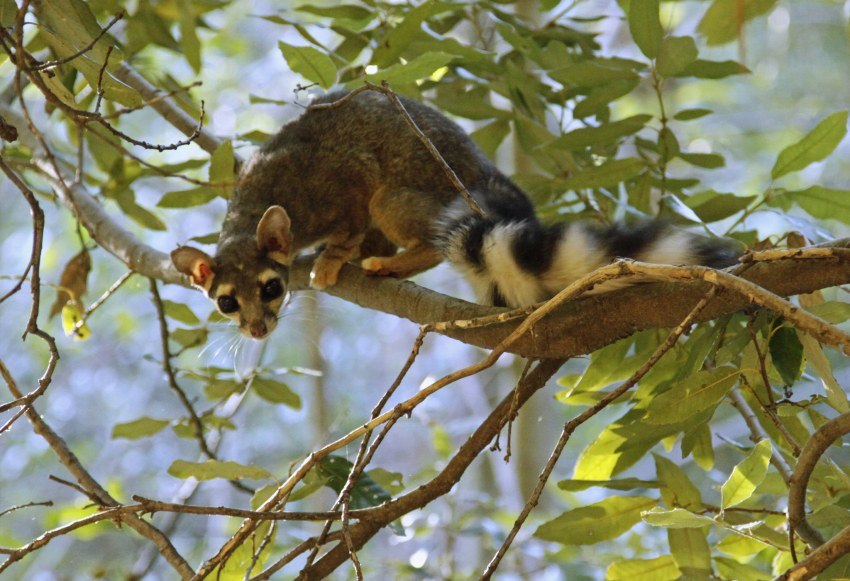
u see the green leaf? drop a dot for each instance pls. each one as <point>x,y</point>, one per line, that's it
<point>276,392</point>
<point>189,43</point>
<point>677,518</point>
<point>732,569</point>
<point>697,441</point>
<point>712,206</point>
<point>609,174</point>
<point>126,200</point>
<point>217,389</point>
<point>619,484</point>
<point>398,39</point>
<point>602,521</point>
<point>677,489</point>
<point>189,337</point>
<point>703,69</point>
<point>592,73</point>
<point>835,395</point>
<point>338,12</point>
<point>211,238</point>
<point>691,396</point>
<point>724,18</point>
<point>211,469</point>
<point>690,550</point>
<point>491,136</point>
<point>821,203</point>
<point>141,428</point>
<point>310,63</point>
<point>815,146</point>
<point>68,26</point>
<point>786,352</point>
<point>188,198</point>
<point>704,160</point>
<point>180,312</point>
<point>601,135</point>
<point>746,476</point>
<point>8,13</point>
<point>222,170</point>
<point>645,26</point>
<point>676,54</point>
<point>598,98</point>
<point>690,114</point>
<point>421,67</point>
<point>658,569</point>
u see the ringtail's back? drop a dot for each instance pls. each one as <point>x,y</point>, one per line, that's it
<point>355,178</point>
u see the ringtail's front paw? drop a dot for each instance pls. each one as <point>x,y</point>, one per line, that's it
<point>324,274</point>
<point>375,266</point>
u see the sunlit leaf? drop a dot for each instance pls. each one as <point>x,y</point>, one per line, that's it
<point>141,428</point>
<point>211,469</point>
<point>421,67</point>
<point>746,476</point>
<point>658,569</point>
<point>732,569</point>
<point>814,146</point>
<point>72,322</point>
<point>602,521</point>
<point>677,518</point>
<point>698,393</point>
<point>690,549</point>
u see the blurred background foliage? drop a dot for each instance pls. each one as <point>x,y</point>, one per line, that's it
<point>600,110</point>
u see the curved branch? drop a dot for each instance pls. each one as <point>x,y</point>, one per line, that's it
<point>811,453</point>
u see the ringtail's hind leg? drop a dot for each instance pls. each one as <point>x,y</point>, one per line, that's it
<point>404,264</point>
<point>406,218</point>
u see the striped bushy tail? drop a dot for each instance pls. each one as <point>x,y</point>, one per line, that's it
<point>512,259</point>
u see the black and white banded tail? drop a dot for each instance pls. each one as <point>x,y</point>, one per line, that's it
<point>512,259</point>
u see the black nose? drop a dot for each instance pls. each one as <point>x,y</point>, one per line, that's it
<point>259,330</point>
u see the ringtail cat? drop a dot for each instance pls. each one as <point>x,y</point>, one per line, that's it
<point>355,179</point>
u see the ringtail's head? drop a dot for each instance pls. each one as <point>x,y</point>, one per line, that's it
<point>247,280</point>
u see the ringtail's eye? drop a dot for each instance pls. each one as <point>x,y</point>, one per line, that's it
<point>271,290</point>
<point>228,304</point>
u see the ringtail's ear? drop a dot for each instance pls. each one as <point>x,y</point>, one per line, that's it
<point>274,237</point>
<point>197,265</point>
